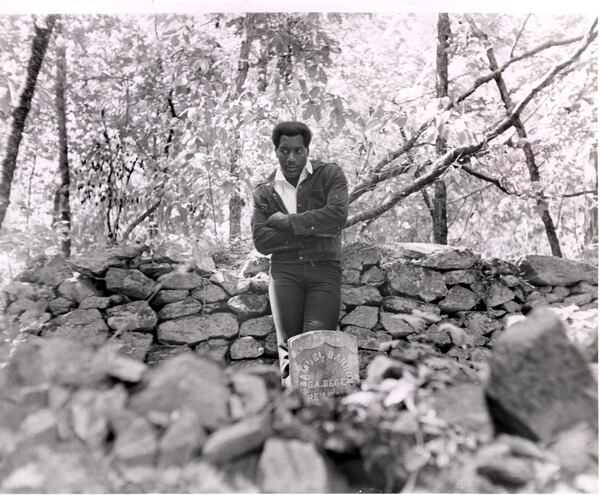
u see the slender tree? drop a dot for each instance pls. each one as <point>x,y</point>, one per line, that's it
<point>532,167</point>
<point>236,203</point>
<point>20,112</point>
<point>440,217</point>
<point>63,152</point>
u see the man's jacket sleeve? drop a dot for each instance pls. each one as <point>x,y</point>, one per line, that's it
<point>268,240</point>
<point>328,221</point>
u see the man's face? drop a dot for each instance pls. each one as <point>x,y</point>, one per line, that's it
<point>292,156</point>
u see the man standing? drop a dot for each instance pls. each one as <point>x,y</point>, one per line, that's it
<point>298,218</point>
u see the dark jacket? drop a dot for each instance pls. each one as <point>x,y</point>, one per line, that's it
<point>317,227</point>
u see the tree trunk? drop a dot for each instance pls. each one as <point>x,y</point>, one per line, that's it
<point>236,202</point>
<point>591,200</point>
<point>19,114</point>
<point>534,172</point>
<point>439,214</point>
<point>63,153</point>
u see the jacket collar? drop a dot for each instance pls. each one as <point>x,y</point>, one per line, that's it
<point>314,164</point>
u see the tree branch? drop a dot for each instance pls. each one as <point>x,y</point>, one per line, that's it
<point>368,183</point>
<point>443,162</point>
<point>141,218</point>
<point>487,178</point>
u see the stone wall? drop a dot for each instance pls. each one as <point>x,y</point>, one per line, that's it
<point>413,298</point>
<point>105,389</point>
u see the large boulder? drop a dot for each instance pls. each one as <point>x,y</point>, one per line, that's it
<point>136,316</point>
<point>186,381</point>
<point>536,356</point>
<point>96,263</point>
<point>84,325</point>
<point>415,281</point>
<point>131,283</point>
<point>551,270</point>
<point>194,329</point>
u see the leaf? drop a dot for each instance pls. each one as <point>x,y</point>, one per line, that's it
<point>400,392</point>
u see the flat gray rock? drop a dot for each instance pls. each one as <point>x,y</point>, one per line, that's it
<point>78,289</point>
<point>459,298</point>
<point>187,307</point>
<point>362,316</point>
<point>248,305</point>
<point>194,329</point>
<point>136,345</point>
<point>97,262</point>
<point>209,294</point>
<point>355,296</point>
<point>258,327</point>
<point>373,276</point>
<point>84,325</point>
<point>357,255</point>
<point>60,305</point>
<point>246,348</point>
<point>415,281</point>
<point>401,304</point>
<point>129,282</point>
<point>135,316</point>
<point>178,280</point>
<point>550,270</point>
<point>498,294</point>
<point>167,296</point>
<point>396,327</point>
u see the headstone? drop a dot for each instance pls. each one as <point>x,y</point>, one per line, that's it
<point>323,363</point>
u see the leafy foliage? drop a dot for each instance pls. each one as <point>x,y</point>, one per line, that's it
<point>155,123</point>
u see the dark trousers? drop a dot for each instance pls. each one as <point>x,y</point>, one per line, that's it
<point>304,297</point>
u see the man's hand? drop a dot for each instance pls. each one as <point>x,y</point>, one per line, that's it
<point>279,221</point>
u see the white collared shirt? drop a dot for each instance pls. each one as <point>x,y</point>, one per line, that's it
<point>286,191</point>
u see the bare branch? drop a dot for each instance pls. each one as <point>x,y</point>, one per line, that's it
<point>518,37</point>
<point>487,178</point>
<point>443,162</point>
<point>141,218</point>
<point>369,182</point>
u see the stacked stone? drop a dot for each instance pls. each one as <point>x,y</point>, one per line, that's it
<point>154,308</point>
<point>409,301</point>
